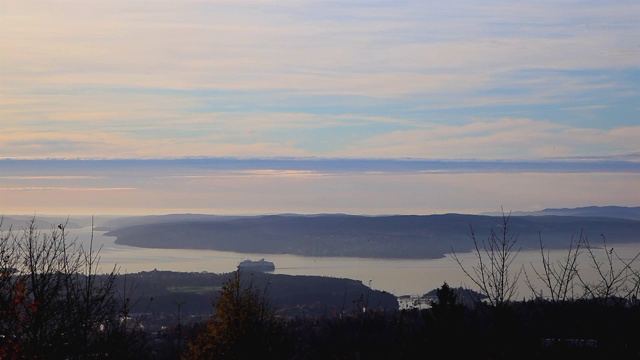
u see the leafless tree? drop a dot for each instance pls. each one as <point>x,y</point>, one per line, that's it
<point>558,277</point>
<point>54,301</point>
<point>493,273</point>
<point>616,278</point>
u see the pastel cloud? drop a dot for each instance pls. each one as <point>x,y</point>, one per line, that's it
<point>505,138</point>
<point>40,188</point>
<point>265,78</point>
<point>363,193</point>
<point>501,139</point>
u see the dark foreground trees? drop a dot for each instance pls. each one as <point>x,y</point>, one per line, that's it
<point>532,329</point>
<point>53,302</point>
<point>244,325</point>
<point>571,313</point>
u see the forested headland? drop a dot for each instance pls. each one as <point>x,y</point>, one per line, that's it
<point>398,236</point>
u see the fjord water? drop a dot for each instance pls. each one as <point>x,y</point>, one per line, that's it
<point>396,276</point>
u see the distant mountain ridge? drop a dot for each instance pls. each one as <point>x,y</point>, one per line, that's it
<point>394,236</point>
<point>620,212</point>
<point>606,211</point>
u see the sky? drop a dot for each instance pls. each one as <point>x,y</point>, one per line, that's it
<point>545,82</point>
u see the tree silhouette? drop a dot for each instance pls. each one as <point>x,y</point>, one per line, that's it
<point>493,273</point>
<point>243,325</point>
<point>53,302</point>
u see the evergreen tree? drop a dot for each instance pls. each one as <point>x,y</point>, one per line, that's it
<point>243,325</point>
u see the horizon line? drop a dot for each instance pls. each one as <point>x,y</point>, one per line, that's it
<point>479,213</point>
<point>629,157</point>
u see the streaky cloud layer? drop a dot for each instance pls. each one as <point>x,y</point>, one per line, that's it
<point>54,169</point>
<point>492,80</point>
<point>311,185</point>
<point>280,106</point>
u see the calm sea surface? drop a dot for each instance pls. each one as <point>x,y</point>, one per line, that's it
<point>397,276</point>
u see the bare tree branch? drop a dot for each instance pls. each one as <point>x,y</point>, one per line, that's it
<point>493,271</point>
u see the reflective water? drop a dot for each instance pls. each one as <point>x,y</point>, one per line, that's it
<point>397,276</point>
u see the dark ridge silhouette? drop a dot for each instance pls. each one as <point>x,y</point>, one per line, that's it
<point>396,236</point>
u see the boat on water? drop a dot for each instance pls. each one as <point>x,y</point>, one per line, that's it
<point>259,265</point>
